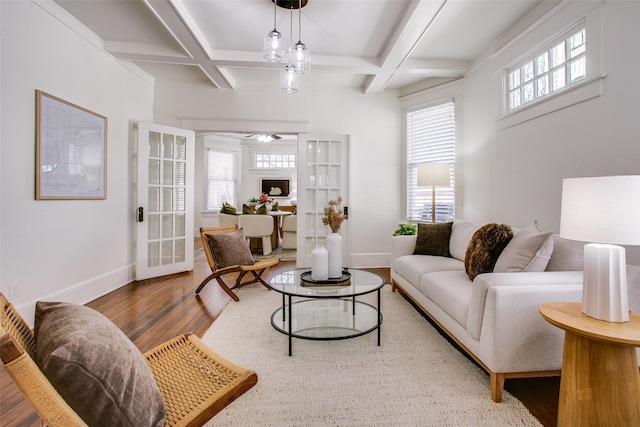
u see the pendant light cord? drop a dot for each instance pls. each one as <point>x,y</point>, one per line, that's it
<point>299,20</point>
<point>275,9</point>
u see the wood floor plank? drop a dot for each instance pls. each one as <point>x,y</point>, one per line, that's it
<point>155,310</point>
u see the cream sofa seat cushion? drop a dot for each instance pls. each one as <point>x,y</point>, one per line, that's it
<point>451,291</point>
<point>413,267</point>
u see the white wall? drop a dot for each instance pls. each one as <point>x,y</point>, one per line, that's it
<point>372,123</point>
<point>515,175</point>
<point>71,250</point>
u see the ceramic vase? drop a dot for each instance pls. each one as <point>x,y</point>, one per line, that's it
<point>334,246</point>
<point>319,263</point>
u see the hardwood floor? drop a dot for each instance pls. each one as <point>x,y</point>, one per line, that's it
<point>152,311</point>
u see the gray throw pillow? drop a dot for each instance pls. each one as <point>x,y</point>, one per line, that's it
<point>433,239</point>
<point>230,249</point>
<point>98,371</point>
<point>568,255</point>
<point>485,247</point>
<point>529,250</point>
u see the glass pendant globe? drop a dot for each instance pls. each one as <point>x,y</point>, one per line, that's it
<point>300,58</point>
<point>289,80</point>
<point>273,47</point>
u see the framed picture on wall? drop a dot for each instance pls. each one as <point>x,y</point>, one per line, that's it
<point>275,187</point>
<point>71,150</point>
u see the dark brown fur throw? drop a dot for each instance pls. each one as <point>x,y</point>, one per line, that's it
<point>485,247</point>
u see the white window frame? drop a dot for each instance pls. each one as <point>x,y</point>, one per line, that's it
<point>539,76</point>
<point>567,16</point>
<point>430,149</point>
<point>275,158</point>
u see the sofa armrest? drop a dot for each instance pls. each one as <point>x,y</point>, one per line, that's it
<point>515,337</point>
<point>400,246</point>
<point>541,280</point>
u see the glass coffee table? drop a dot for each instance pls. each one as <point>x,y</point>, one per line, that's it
<point>326,312</point>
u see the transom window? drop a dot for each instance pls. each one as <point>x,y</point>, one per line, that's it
<point>275,161</point>
<point>558,66</point>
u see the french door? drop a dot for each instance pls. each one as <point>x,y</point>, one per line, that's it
<point>323,175</point>
<point>164,216</point>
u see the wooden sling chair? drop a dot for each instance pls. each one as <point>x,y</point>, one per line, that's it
<point>255,270</point>
<point>195,383</point>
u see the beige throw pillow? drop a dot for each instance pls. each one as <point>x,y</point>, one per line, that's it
<point>230,249</point>
<point>529,250</point>
<point>95,367</point>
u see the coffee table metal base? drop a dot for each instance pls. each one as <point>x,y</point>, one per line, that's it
<point>326,319</point>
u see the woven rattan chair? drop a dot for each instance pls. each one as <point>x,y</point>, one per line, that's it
<point>195,383</point>
<point>255,270</point>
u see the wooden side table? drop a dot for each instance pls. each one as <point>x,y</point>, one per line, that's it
<point>600,382</point>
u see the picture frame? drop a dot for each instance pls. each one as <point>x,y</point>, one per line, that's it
<point>275,187</point>
<point>71,151</point>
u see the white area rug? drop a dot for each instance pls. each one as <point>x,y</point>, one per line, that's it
<point>415,378</point>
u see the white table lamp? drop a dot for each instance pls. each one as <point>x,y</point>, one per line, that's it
<point>606,211</point>
<point>432,175</point>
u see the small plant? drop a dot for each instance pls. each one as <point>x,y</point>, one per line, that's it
<point>406,230</point>
<point>253,200</point>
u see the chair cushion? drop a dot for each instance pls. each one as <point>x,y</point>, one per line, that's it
<point>433,239</point>
<point>230,249</point>
<point>485,247</point>
<point>529,250</point>
<point>94,366</point>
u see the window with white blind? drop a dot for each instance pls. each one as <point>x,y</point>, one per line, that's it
<point>221,178</point>
<point>431,138</point>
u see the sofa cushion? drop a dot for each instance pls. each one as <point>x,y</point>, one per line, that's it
<point>230,249</point>
<point>461,233</point>
<point>567,255</point>
<point>451,291</point>
<point>433,239</point>
<point>485,247</point>
<point>227,209</point>
<point>529,250</point>
<point>95,367</point>
<point>413,267</point>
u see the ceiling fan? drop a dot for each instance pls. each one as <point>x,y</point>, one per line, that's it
<point>265,137</point>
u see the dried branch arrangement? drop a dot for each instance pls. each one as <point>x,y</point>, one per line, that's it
<point>333,215</point>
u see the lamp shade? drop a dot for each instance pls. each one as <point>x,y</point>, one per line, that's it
<point>601,209</point>
<point>433,174</point>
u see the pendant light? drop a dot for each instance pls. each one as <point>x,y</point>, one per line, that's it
<point>299,55</point>
<point>288,76</point>
<point>273,46</point>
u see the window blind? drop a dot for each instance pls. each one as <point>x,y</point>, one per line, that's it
<point>221,179</point>
<point>430,139</point>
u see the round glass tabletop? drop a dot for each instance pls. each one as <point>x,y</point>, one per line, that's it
<point>361,282</point>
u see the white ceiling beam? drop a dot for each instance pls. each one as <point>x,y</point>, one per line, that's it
<point>189,36</point>
<point>410,31</point>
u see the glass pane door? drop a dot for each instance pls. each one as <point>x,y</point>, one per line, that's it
<point>165,201</point>
<point>323,170</point>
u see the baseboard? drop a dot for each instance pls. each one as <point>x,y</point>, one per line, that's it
<point>81,293</point>
<point>370,260</point>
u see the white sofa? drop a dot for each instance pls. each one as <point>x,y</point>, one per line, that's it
<point>495,318</point>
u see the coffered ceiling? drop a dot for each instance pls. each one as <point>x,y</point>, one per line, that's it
<point>366,46</point>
